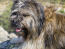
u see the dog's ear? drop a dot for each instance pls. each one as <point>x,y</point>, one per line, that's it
<point>41,17</point>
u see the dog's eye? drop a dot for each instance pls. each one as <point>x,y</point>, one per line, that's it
<point>15,13</point>
<point>25,15</point>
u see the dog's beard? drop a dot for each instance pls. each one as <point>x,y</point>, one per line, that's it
<point>29,24</point>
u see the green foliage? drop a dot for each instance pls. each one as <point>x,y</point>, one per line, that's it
<point>4,20</point>
<point>62,11</point>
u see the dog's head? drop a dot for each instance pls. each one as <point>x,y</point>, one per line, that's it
<point>27,16</point>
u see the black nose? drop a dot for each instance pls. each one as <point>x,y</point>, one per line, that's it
<point>13,23</point>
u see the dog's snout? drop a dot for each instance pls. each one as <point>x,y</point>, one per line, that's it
<point>13,17</point>
<point>13,23</point>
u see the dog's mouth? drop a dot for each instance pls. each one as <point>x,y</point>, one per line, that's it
<point>22,31</point>
<point>18,29</point>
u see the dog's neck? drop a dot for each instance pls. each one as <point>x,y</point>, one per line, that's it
<point>35,36</point>
<point>36,43</point>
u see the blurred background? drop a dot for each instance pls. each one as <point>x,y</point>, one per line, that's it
<point>5,6</point>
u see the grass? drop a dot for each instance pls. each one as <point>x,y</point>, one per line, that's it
<point>5,17</point>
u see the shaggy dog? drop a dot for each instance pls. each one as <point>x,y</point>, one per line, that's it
<point>39,31</point>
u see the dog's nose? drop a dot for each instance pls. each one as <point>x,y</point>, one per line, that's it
<point>13,23</point>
